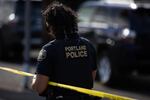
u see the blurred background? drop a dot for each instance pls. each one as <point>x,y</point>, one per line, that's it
<point>118,29</point>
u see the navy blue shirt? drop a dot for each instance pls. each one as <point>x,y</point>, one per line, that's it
<point>68,61</point>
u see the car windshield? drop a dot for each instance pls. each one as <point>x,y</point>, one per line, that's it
<point>35,10</point>
<point>140,20</point>
<point>35,14</point>
<point>85,13</point>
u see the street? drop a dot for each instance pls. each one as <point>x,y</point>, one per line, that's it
<point>11,86</point>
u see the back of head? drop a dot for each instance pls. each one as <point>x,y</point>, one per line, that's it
<point>60,19</point>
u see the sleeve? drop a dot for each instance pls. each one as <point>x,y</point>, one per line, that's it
<point>44,62</point>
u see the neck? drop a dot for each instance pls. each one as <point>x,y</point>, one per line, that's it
<point>72,36</point>
<point>60,35</point>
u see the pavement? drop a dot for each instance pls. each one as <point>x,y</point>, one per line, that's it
<point>11,85</point>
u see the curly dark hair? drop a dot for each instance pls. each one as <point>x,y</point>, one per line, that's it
<point>60,19</point>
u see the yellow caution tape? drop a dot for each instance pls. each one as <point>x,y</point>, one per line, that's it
<point>16,71</point>
<point>91,92</point>
<point>78,89</point>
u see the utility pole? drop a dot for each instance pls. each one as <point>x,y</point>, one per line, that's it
<point>27,32</point>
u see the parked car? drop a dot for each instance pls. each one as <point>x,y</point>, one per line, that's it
<point>120,33</point>
<point>12,33</point>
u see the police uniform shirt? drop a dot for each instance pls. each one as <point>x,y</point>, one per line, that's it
<point>68,61</point>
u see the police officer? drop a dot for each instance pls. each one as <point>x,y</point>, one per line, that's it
<point>69,59</point>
